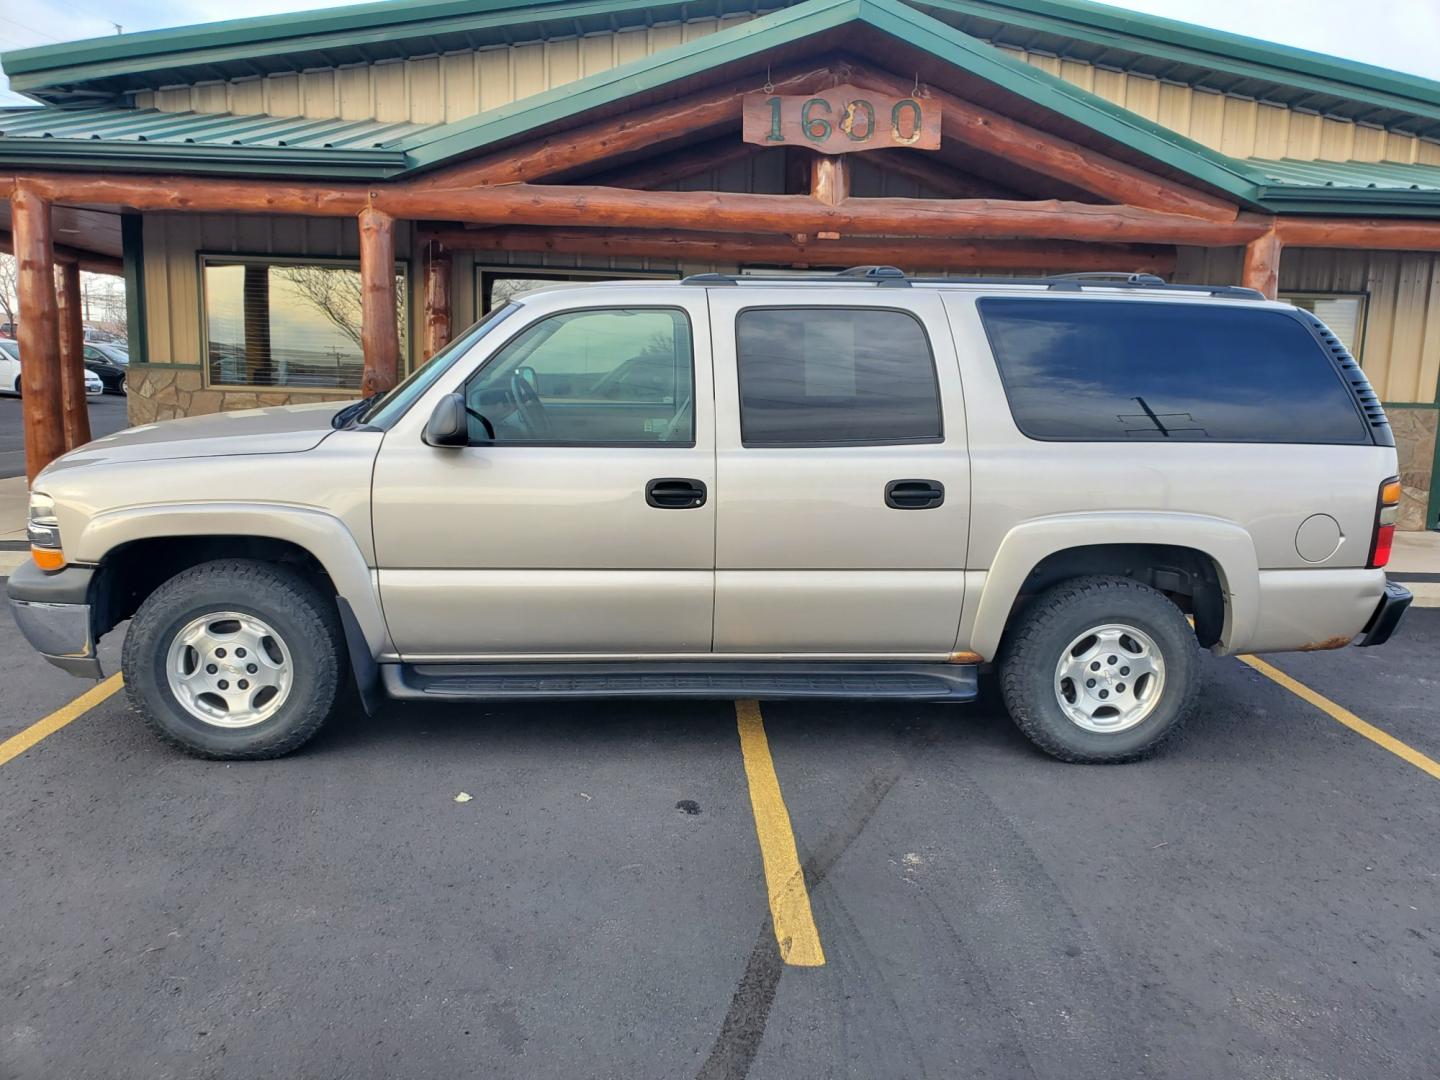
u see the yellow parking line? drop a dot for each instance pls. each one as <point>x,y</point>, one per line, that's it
<point>1346,717</point>
<point>19,743</point>
<point>795,930</point>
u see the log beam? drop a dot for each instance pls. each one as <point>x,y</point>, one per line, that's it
<point>1262,264</point>
<point>1383,234</point>
<point>557,205</point>
<point>967,219</point>
<point>74,410</point>
<point>1054,156</point>
<point>379,333</point>
<point>39,330</point>
<point>437,298</point>
<point>518,204</point>
<point>912,253</point>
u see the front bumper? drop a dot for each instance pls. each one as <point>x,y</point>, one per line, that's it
<point>53,612</point>
<point>1388,613</point>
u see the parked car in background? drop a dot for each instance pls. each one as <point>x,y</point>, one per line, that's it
<point>110,362</point>
<point>10,372</point>
<point>9,366</point>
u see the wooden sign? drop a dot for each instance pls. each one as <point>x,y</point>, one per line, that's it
<point>842,120</point>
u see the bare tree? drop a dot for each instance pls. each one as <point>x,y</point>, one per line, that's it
<point>335,294</point>
<point>9,276</point>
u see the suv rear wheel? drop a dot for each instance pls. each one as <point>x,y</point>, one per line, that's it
<point>235,659</point>
<point>1100,669</point>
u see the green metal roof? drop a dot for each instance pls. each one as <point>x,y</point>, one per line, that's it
<point>1097,33</point>
<point>1355,187</point>
<point>203,142</point>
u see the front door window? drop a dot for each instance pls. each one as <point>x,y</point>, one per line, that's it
<point>598,377</point>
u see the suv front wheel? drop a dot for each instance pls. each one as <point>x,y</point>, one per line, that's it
<point>1100,669</point>
<point>235,659</point>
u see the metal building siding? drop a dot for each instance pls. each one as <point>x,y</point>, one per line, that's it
<point>433,89</point>
<point>1240,127</point>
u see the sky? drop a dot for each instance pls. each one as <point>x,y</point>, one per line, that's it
<point>1398,34</point>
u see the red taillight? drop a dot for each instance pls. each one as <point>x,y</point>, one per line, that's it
<point>1380,549</point>
<point>1386,507</point>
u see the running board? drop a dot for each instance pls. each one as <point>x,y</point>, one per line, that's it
<point>719,679</point>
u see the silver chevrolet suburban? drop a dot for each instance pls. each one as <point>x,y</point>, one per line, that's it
<point>861,485</point>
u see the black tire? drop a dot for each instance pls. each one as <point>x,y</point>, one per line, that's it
<point>306,621</point>
<point>1035,644</point>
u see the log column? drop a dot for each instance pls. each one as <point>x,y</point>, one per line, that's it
<point>39,331</point>
<point>1262,264</point>
<point>437,298</point>
<point>75,413</point>
<point>379,333</point>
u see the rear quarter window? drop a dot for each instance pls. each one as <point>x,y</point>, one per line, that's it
<point>1113,371</point>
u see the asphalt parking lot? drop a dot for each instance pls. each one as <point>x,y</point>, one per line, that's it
<point>1261,901</point>
<point>107,415</point>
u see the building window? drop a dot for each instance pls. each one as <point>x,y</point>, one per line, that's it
<point>496,287</point>
<point>295,325</point>
<point>1343,313</point>
<point>830,376</point>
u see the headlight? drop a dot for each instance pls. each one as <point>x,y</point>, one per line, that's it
<point>43,529</point>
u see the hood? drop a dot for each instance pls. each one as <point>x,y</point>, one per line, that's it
<point>282,429</point>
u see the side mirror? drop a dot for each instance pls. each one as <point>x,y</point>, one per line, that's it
<point>447,425</point>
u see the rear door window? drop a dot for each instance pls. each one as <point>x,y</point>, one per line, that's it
<point>1111,370</point>
<point>831,376</point>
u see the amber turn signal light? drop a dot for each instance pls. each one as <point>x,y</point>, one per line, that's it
<point>48,558</point>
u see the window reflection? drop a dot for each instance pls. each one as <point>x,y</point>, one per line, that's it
<point>295,324</point>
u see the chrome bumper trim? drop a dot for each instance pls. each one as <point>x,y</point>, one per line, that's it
<point>60,633</point>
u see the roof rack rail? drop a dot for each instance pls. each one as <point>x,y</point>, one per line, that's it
<point>893,277</point>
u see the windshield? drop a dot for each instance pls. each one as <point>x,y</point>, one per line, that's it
<point>10,348</point>
<point>390,407</point>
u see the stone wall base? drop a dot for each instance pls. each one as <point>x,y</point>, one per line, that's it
<point>166,391</point>
<point>1415,433</point>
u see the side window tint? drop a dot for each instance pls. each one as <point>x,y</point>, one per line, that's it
<point>1118,371</point>
<point>828,376</point>
<point>612,376</point>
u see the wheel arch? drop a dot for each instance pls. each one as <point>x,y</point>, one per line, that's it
<point>137,548</point>
<point>1173,552</point>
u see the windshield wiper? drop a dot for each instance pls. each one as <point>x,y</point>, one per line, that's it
<point>349,412</point>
